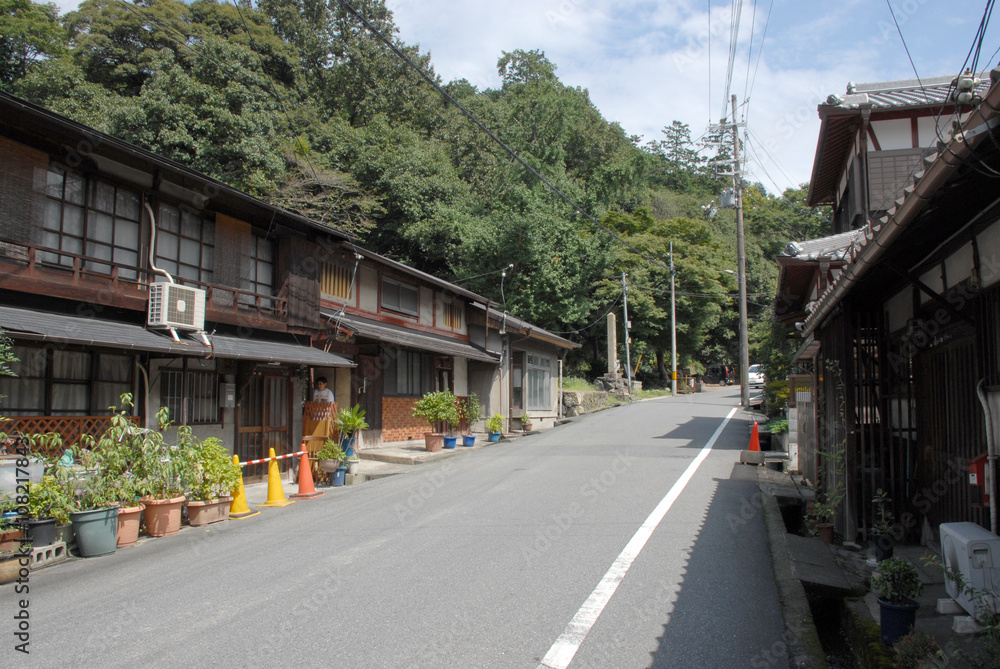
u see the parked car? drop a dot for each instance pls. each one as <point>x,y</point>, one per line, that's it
<point>755,376</point>
<point>721,374</point>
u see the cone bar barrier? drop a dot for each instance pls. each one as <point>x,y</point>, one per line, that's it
<point>306,488</point>
<point>238,508</point>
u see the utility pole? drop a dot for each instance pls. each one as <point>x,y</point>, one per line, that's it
<point>628,359</point>
<point>741,269</point>
<point>673,327</point>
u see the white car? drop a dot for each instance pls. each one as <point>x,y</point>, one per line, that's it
<point>755,376</point>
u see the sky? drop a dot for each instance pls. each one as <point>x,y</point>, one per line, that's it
<point>646,64</point>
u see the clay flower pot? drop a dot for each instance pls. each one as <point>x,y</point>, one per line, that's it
<point>433,441</point>
<point>163,516</point>
<point>129,519</point>
<point>207,511</point>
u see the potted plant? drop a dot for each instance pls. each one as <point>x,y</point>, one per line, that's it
<point>331,459</point>
<point>494,426</point>
<point>470,410</point>
<point>95,518</point>
<point>526,423</point>
<point>348,423</point>
<point>210,479</point>
<point>881,538</point>
<point>438,407</point>
<point>897,583</point>
<point>158,469</point>
<point>10,526</point>
<point>46,500</point>
<point>821,519</point>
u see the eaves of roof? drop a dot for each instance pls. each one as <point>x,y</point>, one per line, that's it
<point>939,167</point>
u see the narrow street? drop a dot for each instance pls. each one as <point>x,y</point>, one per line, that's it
<point>481,560</point>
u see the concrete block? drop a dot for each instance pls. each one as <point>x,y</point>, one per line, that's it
<point>948,607</point>
<point>43,556</point>
<point>752,457</point>
<point>965,625</point>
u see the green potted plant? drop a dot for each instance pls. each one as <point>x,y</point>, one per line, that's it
<point>881,537</point>
<point>897,583</point>
<point>210,479</point>
<point>821,520</point>
<point>349,422</point>
<point>470,410</point>
<point>11,531</point>
<point>48,503</point>
<point>526,422</point>
<point>158,468</point>
<point>494,426</point>
<point>331,459</point>
<point>438,408</point>
<point>95,517</point>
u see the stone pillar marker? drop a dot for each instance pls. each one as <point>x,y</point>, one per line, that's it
<point>612,344</point>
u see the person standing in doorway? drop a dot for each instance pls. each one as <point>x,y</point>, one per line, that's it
<point>322,393</point>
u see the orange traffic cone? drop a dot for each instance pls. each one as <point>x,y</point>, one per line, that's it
<point>754,439</point>
<point>238,508</point>
<point>275,491</point>
<point>306,488</point>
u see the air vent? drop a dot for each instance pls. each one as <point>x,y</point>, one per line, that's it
<point>175,306</point>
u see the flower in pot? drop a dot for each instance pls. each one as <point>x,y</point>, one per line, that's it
<point>494,426</point>
<point>10,524</point>
<point>821,519</point>
<point>159,468</point>
<point>897,583</point>
<point>438,408</point>
<point>210,478</point>
<point>349,422</point>
<point>884,518</point>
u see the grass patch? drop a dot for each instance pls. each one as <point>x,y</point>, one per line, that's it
<point>577,383</point>
<point>649,394</point>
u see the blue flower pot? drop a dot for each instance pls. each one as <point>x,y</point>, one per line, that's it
<point>449,442</point>
<point>468,440</point>
<point>494,436</point>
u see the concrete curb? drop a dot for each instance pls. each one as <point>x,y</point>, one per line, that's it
<point>805,651</point>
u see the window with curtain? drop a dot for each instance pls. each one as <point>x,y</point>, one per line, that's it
<point>538,379</point>
<point>408,373</point>
<point>185,244</point>
<point>25,394</point>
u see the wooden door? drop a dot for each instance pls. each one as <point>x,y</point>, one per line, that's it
<point>368,390</point>
<point>263,421</point>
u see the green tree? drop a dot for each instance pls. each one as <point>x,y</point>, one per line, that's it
<point>29,33</point>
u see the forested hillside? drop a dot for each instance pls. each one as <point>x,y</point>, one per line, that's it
<point>299,104</point>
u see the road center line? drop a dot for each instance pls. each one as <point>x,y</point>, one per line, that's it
<point>564,649</point>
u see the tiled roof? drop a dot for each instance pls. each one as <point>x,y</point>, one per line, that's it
<point>835,247</point>
<point>933,91</point>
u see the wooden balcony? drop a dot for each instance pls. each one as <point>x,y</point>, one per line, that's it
<point>73,277</point>
<point>70,428</point>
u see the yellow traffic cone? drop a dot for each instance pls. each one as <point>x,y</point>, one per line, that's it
<point>275,491</point>
<point>238,508</point>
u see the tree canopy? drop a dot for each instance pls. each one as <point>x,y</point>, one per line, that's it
<point>298,103</point>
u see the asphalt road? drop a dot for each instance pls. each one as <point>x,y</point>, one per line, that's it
<point>481,560</point>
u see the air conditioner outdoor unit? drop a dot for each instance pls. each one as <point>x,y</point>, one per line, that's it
<point>973,552</point>
<point>175,306</point>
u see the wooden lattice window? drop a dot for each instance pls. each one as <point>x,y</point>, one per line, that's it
<point>336,281</point>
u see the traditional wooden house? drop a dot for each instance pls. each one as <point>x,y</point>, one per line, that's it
<point>124,272</point>
<point>900,310</point>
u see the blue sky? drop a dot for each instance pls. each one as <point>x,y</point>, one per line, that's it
<point>648,63</point>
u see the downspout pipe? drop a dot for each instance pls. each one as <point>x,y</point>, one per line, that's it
<point>991,448</point>
<point>951,156</point>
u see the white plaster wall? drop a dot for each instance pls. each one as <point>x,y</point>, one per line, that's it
<point>894,134</point>
<point>926,133</point>
<point>461,375</point>
<point>959,265</point>
<point>989,255</point>
<point>899,309</point>
<point>932,279</point>
<point>368,289</point>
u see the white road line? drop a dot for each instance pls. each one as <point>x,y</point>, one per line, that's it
<point>564,649</point>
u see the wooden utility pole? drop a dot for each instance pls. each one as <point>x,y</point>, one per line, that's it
<point>741,267</point>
